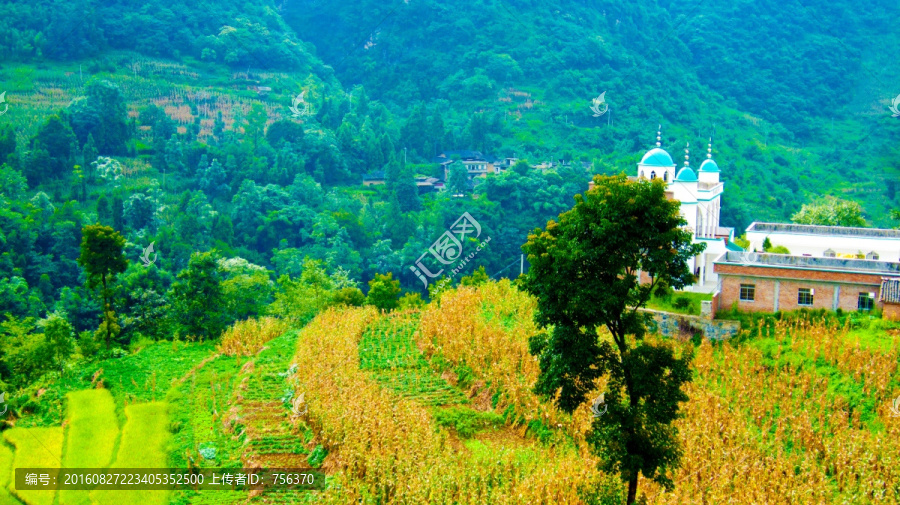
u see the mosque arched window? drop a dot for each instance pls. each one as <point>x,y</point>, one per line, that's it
<point>666,176</point>
<point>653,175</point>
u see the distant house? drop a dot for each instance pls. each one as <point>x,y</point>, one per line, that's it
<point>505,164</point>
<point>477,164</point>
<point>373,178</point>
<point>263,90</point>
<point>428,184</point>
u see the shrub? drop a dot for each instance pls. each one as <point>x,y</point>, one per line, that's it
<point>681,302</point>
<point>384,291</point>
<point>411,301</point>
<point>352,297</point>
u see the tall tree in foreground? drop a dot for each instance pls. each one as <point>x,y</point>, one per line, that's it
<point>585,273</point>
<point>102,258</point>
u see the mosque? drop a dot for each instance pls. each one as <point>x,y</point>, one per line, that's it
<point>829,267</point>
<point>700,194</point>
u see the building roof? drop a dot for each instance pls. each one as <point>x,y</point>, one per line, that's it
<point>890,290</point>
<point>657,157</point>
<point>709,166</point>
<point>767,260</point>
<point>686,174</point>
<point>810,229</point>
<point>447,156</point>
<point>374,176</point>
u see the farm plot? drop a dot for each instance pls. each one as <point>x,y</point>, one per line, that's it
<point>387,349</point>
<point>144,440</point>
<point>93,431</point>
<point>35,448</point>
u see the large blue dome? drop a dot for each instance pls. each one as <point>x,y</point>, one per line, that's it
<point>657,157</point>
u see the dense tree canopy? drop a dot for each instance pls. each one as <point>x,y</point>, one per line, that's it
<point>585,272</point>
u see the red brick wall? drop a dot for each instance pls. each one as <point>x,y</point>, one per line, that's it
<point>731,291</point>
<point>891,312</point>
<point>788,290</point>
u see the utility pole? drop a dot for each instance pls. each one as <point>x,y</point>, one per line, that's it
<point>522,265</point>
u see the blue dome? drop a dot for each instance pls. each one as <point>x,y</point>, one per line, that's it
<point>686,175</point>
<point>709,166</point>
<point>657,157</point>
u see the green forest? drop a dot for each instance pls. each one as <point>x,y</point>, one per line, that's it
<point>151,120</point>
<point>171,124</point>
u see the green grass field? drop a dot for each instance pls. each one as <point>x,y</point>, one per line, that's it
<point>143,445</point>
<point>91,437</point>
<point>35,448</point>
<point>6,466</point>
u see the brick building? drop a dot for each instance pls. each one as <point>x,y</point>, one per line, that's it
<point>771,282</point>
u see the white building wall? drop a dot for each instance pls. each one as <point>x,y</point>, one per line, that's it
<point>888,249</point>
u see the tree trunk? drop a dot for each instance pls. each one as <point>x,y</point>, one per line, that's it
<point>632,489</point>
<point>106,312</point>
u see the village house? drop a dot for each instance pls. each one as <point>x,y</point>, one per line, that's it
<point>477,164</point>
<point>373,178</point>
<point>755,282</point>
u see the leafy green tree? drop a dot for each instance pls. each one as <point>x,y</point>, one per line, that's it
<point>59,338</point>
<point>458,178</point>
<point>7,143</point>
<point>13,184</point>
<point>521,167</point>
<point>103,114</point>
<point>140,211</point>
<point>831,211</point>
<point>302,298</point>
<point>197,297</point>
<point>89,154</point>
<point>585,272</point>
<point>25,354</point>
<point>285,131</point>
<point>352,297</point>
<point>57,138</point>
<point>384,292</point>
<point>479,276</point>
<point>102,258</point>
<point>213,180</point>
<point>411,301</point>
<point>246,288</point>
<point>256,122</point>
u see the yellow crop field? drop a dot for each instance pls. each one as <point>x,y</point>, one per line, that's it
<point>35,448</point>
<point>800,413</point>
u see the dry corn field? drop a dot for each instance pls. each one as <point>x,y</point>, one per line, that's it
<point>245,338</point>
<point>800,414</point>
